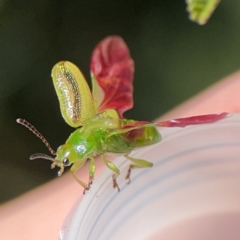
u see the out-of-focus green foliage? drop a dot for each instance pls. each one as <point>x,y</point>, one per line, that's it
<point>201,10</point>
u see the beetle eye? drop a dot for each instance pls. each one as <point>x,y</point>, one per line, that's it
<point>66,162</point>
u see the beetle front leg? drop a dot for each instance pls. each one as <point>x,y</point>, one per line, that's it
<point>112,167</point>
<point>77,165</point>
<point>138,163</point>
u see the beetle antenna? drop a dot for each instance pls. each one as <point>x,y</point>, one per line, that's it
<point>42,156</point>
<point>55,162</point>
<point>30,127</point>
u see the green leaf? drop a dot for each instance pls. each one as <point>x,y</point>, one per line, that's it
<point>201,10</point>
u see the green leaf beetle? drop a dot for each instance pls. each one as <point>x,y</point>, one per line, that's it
<point>98,117</point>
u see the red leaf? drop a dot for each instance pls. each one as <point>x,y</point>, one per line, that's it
<point>201,119</point>
<point>112,69</point>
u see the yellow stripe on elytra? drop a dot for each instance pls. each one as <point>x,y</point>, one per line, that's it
<point>74,95</point>
<point>74,105</point>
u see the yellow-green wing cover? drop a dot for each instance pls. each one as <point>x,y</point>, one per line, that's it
<point>76,102</point>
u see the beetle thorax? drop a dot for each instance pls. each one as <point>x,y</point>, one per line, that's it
<point>81,146</point>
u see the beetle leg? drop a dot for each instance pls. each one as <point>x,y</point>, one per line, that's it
<point>92,169</point>
<point>112,167</point>
<point>77,165</point>
<point>138,163</point>
<point>114,178</point>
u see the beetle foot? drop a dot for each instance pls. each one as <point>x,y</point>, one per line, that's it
<point>115,185</point>
<point>86,190</point>
<point>90,181</point>
<point>128,179</point>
